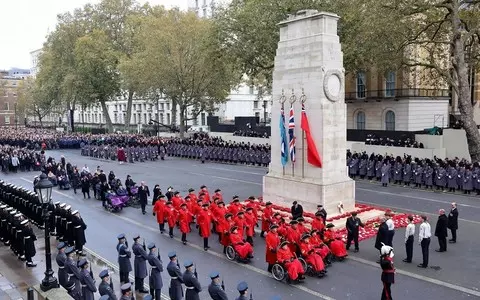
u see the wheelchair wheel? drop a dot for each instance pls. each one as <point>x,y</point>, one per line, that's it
<point>304,264</point>
<point>230,253</point>
<point>278,272</point>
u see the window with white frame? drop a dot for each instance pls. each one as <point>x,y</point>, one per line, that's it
<point>360,120</point>
<point>361,84</point>
<point>7,120</point>
<point>390,84</point>
<point>202,115</point>
<point>390,120</point>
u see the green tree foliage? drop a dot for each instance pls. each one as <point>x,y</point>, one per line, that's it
<point>179,57</point>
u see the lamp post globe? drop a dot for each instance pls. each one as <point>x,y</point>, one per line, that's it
<point>44,192</point>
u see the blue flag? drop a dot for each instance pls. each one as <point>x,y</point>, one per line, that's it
<point>283,137</point>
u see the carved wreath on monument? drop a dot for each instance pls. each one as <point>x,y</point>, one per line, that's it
<point>333,84</point>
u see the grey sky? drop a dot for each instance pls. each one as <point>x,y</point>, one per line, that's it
<point>25,23</point>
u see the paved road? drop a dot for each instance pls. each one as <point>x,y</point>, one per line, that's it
<point>357,278</point>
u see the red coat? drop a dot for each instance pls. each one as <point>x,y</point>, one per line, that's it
<point>121,155</point>
<point>196,209</point>
<point>159,210</point>
<point>205,222</point>
<point>240,223</point>
<point>302,229</point>
<point>176,202</point>
<point>267,218</point>
<point>193,198</point>
<point>234,208</point>
<point>206,196</point>
<point>254,205</point>
<point>171,216</point>
<point>250,222</point>
<point>190,210</point>
<point>272,240</point>
<point>318,224</point>
<point>224,227</point>
<point>311,257</point>
<point>184,220</point>
<point>219,213</point>
<point>243,249</point>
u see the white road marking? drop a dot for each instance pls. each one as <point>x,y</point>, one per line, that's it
<point>236,171</point>
<point>414,197</point>
<point>421,277</point>
<point>226,178</point>
<point>412,210</point>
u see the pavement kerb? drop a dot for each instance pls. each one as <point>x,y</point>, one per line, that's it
<point>114,267</point>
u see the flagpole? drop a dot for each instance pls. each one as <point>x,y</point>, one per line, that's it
<point>282,115</point>
<point>293,98</point>
<point>303,98</point>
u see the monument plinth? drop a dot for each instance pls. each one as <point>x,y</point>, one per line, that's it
<point>309,69</point>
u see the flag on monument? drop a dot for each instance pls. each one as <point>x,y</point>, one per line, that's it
<point>291,133</point>
<point>312,154</point>
<point>283,137</point>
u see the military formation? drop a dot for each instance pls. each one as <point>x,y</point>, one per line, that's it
<point>137,152</point>
<point>442,175</point>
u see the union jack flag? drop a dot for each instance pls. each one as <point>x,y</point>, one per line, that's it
<point>291,133</point>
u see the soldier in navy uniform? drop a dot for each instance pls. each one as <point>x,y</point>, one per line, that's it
<point>191,282</point>
<point>155,262</point>
<point>242,288</point>
<point>61,259</point>
<point>139,264</point>
<point>215,290</point>
<point>88,283</point>
<point>79,228</point>
<point>29,242</point>
<point>127,293</point>
<point>388,271</point>
<point>175,290</point>
<point>124,255</point>
<point>104,287</point>
<point>73,275</point>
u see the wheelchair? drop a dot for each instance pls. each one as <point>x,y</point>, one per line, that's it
<point>309,270</point>
<point>279,271</point>
<point>232,255</point>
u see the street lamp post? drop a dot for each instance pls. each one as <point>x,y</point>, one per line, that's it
<point>44,191</point>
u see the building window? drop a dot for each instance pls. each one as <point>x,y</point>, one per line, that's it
<point>162,106</point>
<point>257,115</point>
<point>168,118</point>
<point>161,118</point>
<point>255,104</point>
<point>361,84</point>
<point>134,118</point>
<point>144,118</point>
<point>360,120</point>
<point>252,89</point>
<point>6,106</point>
<point>115,120</point>
<point>390,84</point>
<point>202,115</point>
<point>168,106</point>
<point>390,120</point>
<point>195,121</point>
<point>7,119</point>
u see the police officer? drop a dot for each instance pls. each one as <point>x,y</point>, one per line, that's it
<point>215,290</point>
<point>155,262</point>
<point>61,259</point>
<point>126,290</point>
<point>124,255</point>
<point>242,288</point>
<point>104,287</point>
<point>191,282</point>
<point>176,277</point>
<point>88,283</point>
<point>73,275</point>
<point>139,264</point>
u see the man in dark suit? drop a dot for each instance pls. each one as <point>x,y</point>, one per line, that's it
<point>143,194</point>
<point>382,235</point>
<point>441,231</point>
<point>296,210</point>
<point>353,227</point>
<point>453,222</point>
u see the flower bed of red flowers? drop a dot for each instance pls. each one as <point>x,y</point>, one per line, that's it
<point>368,231</point>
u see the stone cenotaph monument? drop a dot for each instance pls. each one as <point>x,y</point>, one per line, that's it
<point>309,70</point>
